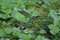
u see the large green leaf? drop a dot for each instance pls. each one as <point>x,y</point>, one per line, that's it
<point>15,32</point>
<point>24,37</point>
<point>8,30</point>
<point>18,16</point>
<point>39,37</point>
<point>54,29</point>
<point>4,16</point>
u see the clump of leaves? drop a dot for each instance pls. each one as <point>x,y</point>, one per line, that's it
<point>29,19</point>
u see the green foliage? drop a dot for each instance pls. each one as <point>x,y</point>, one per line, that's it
<point>54,29</point>
<point>29,19</point>
<point>42,31</point>
<point>4,16</point>
<point>1,33</point>
<point>8,30</point>
<point>33,12</point>
<point>24,37</point>
<point>28,31</point>
<point>16,32</point>
<point>18,16</point>
<point>7,39</point>
<point>41,38</point>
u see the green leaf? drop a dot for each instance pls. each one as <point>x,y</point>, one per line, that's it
<point>27,19</point>
<point>54,29</point>
<point>4,16</point>
<point>39,37</point>
<point>7,39</point>
<point>33,12</point>
<point>21,2</point>
<point>28,31</point>
<point>2,33</point>
<point>21,7</point>
<point>16,32</point>
<point>42,31</point>
<point>7,11</point>
<point>29,2</point>
<point>8,30</point>
<point>24,37</point>
<point>18,16</point>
